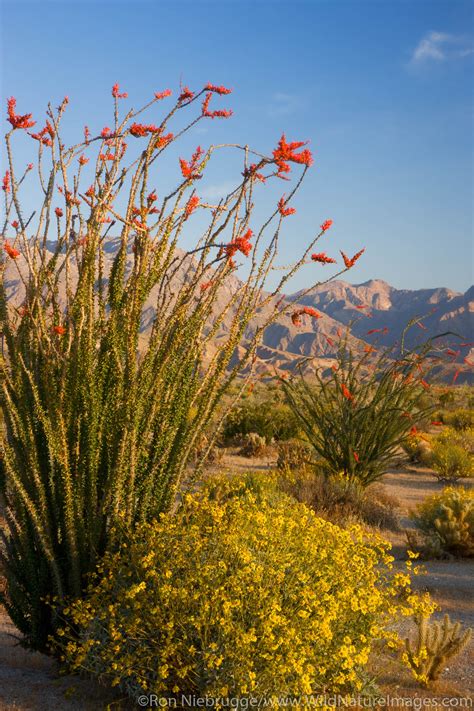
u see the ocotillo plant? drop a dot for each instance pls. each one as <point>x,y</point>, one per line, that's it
<point>356,417</point>
<point>435,644</point>
<point>100,422</point>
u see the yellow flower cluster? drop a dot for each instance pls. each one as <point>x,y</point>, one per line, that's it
<point>241,594</point>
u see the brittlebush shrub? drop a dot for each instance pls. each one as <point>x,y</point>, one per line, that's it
<point>258,597</point>
<point>445,522</point>
<point>451,456</point>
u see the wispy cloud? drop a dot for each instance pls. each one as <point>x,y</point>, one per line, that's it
<point>285,104</point>
<point>217,191</point>
<point>440,47</point>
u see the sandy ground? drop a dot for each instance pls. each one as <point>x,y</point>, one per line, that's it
<point>31,682</point>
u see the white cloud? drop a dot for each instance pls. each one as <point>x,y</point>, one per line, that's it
<point>284,104</point>
<point>441,46</point>
<point>218,191</point>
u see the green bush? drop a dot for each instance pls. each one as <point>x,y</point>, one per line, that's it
<point>461,419</point>
<point>446,522</point>
<point>357,418</point>
<point>266,417</point>
<point>451,458</point>
<point>340,501</point>
<point>417,449</point>
<point>259,597</point>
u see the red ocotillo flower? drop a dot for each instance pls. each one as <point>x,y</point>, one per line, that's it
<point>186,94</point>
<point>239,244</point>
<point>309,311</point>
<point>206,285</point>
<point>326,225</point>
<point>15,119</point>
<point>217,89</point>
<point>59,212</point>
<point>191,205</point>
<point>285,211</point>
<point>383,330</point>
<point>15,224</point>
<point>60,330</point>
<point>116,92</point>
<point>346,392</point>
<point>322,258</point>
<point>87,135</point>
<point>162,94</point>
<point>190,170</point>
<point>252,172</point>
<point>11,251</point>
<point>285,153</point>
<point>6,183</point>
<point>138,130</point>
<point>356,457</point>
<point>83,160</point>
<point>222,113</point>
<point>350,262</point>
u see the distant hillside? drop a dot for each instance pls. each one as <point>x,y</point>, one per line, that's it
<point>382,309</point>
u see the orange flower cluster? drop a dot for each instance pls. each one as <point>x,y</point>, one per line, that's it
<point>15,119</point>
<point>218,89</point>
<point>83,160</point>
<point>60,330</point>
<point>285,153</point>
<point>306,310</point>
<point>15,224</point>
<point>186,94</point>
<point>162,94</point>
<point>383,330</point>
<point>6,185</point>
<point>116,92</point>
<point>206,285</point>
<point>238,244</point>
<point>11,251</point>
<point>326,225</point>
<point>322,258</point>
<point>350,262</point>
<point>139,130</point>
<point>223,113</point>
<point>46,135</point>
<point>346,392</point>
<point>190,170</point>
<point>191,205</point>
<point>252,172</point>
<point>59,212</point>
<point>285,211</point>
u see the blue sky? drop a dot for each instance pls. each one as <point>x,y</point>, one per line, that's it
<point>381,88</point>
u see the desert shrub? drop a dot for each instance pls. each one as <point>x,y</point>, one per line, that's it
<point>294,454</point>
<point>460,419</point>
<point>446,523</point>
<point>259,597</point>
<point>267,418</point>
<point>109,366</point>
<point>418,449</point>
<point>451,457</point>
<point>253,445</point>
<point>357,418</point>
<point>340,501</point>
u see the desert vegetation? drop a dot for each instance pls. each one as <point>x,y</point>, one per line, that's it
<point>173,522</point>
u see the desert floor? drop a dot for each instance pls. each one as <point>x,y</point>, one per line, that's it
<point>31,682</point>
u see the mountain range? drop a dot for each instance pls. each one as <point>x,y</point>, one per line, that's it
<point>377,312</point>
